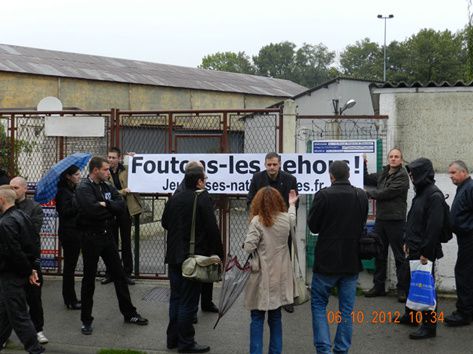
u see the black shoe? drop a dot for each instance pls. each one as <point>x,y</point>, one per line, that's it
<point>210,308</point>
<point>457,319</point>
<point>406,320</point>
<point>423,333</point>
<point>130,281</point>
<point>74,305</point>
<point>171,345</point>
<point>289,308</point>
<point>106,280</point>
<point>374,292</point>
<point>86,328</point>
<point>196,348</point>
<point>137,319</point>
<point>401,296</point>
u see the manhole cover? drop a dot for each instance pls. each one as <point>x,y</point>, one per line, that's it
<point>158,294</point>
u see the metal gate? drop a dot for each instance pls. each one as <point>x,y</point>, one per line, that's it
<point>25,150</point>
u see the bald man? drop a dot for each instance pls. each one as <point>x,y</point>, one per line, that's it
<point>33,293</point>
<point>19,260</point>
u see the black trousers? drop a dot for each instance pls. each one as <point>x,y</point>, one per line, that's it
<point>14,314</point>
<point>123,227</point>
<point>33,298</point>
<point>183,306</point>
<point>206,295</point>
<point>70,242</point>
<point>391,234</point>
<point>464,274</point>
<point>95,245</point>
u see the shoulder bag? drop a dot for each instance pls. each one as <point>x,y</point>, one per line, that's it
<point>301,292</point>
<point>200,268</point>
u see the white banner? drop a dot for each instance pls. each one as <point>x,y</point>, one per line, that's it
<point>232,173</point>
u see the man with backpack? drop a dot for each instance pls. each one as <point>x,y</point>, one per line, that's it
<point>462,225</point>
<point>423,236</point>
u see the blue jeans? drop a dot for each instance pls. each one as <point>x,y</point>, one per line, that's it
<point>275,331</point>
<point>321,286</point>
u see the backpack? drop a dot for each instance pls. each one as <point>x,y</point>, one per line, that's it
<point>446,234</point>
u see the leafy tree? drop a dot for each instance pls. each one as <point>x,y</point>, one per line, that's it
<point>363,60</point>
<point>276,60</point>
<point>9,153</point>
<point>469,42</point>
<point>311,65</point>
<point>228,61</point>
<point>435,56</point>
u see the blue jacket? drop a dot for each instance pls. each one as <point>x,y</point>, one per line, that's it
<point>461,214</point>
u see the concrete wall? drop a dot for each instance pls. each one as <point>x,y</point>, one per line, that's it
<point>319,102</point>
<point>25,91</point>
<point>435,123</point>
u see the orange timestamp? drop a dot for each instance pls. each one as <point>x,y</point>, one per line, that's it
<point>382,317</point>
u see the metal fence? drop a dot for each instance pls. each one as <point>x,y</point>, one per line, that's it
<point>27,151</point>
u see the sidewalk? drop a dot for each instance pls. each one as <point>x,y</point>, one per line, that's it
<point>62,326</point>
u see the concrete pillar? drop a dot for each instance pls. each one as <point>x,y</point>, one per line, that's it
<point>289,127</point>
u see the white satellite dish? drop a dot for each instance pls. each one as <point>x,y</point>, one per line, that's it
<point>49,103</point>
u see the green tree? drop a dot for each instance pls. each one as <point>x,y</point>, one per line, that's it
<point>276,60</point>
<point>363,60</point>
<point>9,152</point>
<point>468,35</point>
<point>312,65</point>
<point>228,61</point>
<point>435,56</point>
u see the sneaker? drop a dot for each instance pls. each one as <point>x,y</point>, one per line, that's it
<point>86,329</point>
<point>41,338</point>
<point>137,319</point>
<point>106,280</point>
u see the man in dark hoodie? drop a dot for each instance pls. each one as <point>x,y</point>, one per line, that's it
<point>424,225</point>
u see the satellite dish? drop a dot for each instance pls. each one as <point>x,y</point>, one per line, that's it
<point>49,103</point>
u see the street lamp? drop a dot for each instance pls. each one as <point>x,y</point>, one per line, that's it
<point>339,110</point>
<point>385,18</point>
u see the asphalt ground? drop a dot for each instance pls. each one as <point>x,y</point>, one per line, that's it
<point>373,332</point>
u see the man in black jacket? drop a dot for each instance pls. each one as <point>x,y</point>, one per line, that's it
<point>177,220</point>
<point>462,224</point>
<point>424,225</point>
<point>338,214</point>
<point>390,194</point>
<point>206,303</point>
<point>19,261</point>
<point>99,203</point>
<point>274,177</point>
<point>33,293</point>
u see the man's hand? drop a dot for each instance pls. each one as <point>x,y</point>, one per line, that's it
<point>103,204</point>
<point>33,278</point>
<point>293,197</point>
<point>405,249</point>
<point>423,260</point>
<point>126,190</point>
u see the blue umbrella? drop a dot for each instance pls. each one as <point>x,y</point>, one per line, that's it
<point>46,188</point>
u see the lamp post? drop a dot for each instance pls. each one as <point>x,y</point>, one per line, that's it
<point>385,18</point>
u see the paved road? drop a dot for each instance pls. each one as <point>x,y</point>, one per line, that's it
<point>232,335</point>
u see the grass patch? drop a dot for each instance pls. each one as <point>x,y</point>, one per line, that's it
<point>119,351</point>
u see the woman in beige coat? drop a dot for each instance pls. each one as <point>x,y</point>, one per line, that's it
<point>271,282</point>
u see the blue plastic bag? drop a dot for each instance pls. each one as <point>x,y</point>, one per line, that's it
<point>422,295</point>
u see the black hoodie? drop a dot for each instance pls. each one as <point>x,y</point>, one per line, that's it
<point>426,215</point>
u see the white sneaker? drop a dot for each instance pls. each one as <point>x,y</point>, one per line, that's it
<point>41,338</point>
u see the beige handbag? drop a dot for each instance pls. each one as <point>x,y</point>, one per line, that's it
<point>200,268</point>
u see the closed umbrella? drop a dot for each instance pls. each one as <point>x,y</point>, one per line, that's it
<point>46,188</point>
<point>235,277</point>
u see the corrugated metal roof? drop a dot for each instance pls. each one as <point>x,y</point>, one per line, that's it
<point>91,67</point>
<point>418,84</point>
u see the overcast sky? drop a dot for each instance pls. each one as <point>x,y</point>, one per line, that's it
<point>181,32</point>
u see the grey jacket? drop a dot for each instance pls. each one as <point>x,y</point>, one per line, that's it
<point>390,193</point>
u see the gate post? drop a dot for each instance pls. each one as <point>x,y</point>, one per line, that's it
<point>288,129</point>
